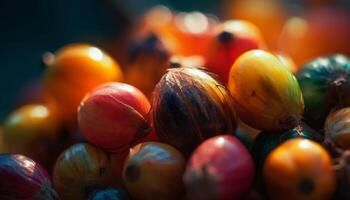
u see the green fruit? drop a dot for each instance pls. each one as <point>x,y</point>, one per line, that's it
<point>325,84</point>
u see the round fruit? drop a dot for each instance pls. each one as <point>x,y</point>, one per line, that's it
<point>325,83</point>
<point>148,61</point>
<point>272,100</point>
<point>190,106</point>
<point>337,128</point>
<point>73,71</point>
<point>220,168</point>
<point>299,169</point>
<point>23,178</point>
<point>113,116</point>
<point>81,170</point>
<point>233,38</point>
<point>266,142</point>
<point>153,171</point>
<point>31,130</point>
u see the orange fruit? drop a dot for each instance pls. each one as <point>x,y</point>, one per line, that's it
<point>73,71</point>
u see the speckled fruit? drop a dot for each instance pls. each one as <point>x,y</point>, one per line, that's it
<point>266,95</point>
<point>153,171</point>
<point>82,169</point>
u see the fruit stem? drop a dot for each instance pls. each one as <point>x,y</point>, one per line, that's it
<point>225,37</point>
<point>289,121</point>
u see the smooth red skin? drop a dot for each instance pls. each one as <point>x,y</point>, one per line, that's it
<point>109,124</point>
<point>221,55</point>
<point>230,163</point>
<point>20,177</point>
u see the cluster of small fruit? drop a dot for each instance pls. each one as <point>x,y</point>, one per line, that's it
<point>200,110</point>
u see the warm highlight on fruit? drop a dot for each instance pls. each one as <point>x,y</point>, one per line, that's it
<point>114,116</point>
<point>266,95</point>
<point>154,171</point>
<point>220,168</point>
<point>190,106</point>
<point>299,169</point>
<point>73,71</point>
<point>337,128</point>
<point>82,169</point>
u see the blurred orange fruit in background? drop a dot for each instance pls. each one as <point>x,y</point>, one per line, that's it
<point>73,71</point>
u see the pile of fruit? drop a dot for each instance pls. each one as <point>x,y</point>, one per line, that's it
<point>195,109</point>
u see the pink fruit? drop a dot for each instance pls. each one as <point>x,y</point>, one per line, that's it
<point>113,116</point>
<point>220,168</point>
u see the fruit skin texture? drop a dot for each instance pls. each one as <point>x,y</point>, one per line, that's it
<point>74,71</point>
<point>23,178</point>
<point>153,170</point>
<point>220,168</point>
<point>299,169</point>
<point>325,83</point>
<point>266,95</point>
<point>190,106</point>
<point>31,130</point>
<point>233,38</point>
<point>266,142</point>
<point>113,116</point>
<point>81,169</point>
<point>337,128</point>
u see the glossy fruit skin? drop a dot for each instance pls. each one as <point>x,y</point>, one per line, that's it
<point>337,128</point>
<point>31,130</point>
<point>73,72</point>
<point>110,194</point>
<point>272,100</point>
<point>325,84</point>
<point>266,142</point>
<point>306,174</point>
<point>154,170</point>
<point>82,169</point>
<point>148,61</point>
<point>190,106</point>
<point>113,116</point>
<point>233,38</point>
<point>23,178</point>
<point>220,168</point>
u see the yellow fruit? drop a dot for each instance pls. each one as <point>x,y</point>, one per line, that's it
<point>266,95</point>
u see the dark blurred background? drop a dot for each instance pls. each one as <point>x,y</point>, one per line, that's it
<point>30,28</point>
